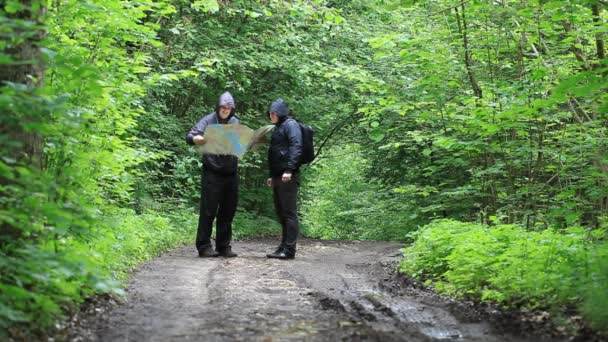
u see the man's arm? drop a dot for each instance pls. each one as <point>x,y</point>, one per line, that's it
<point>195,136</point>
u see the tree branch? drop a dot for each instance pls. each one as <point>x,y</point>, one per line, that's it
<point>449,8</point>
<point>332,132</point>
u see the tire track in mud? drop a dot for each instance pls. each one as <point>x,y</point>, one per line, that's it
<point>332,291</point>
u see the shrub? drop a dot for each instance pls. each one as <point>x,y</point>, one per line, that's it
<point>509,265</point>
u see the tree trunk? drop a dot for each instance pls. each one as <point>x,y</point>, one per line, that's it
<point>28,69</point>
<point>599,37</point>
<point>468,59</point>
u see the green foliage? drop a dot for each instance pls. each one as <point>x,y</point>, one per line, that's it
<point>68,155</point>
<point>40,283</point>
<point>37,282</point>
<point>96,68</point>
<point>248,225</point>
<point>467,110</point>
<point>133,238</point>
<point>515,131</point>
<point>596,294</point>
<point>509,265</point>
<point>339,203</point>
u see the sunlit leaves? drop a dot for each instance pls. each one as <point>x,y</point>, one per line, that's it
<point>509,265</point>
<point>205,5</point>
<point>14,6</point>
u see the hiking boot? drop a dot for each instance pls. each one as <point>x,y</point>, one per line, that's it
<point>207,252</point>
<point>226,252</point>
<point>281,253</point>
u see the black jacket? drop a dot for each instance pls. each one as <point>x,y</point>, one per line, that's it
<point>285,151</point>
<point>221,165</point>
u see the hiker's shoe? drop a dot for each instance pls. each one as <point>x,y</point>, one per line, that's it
<point>276,252</point>
<point>226,252</point>
<point>207,252</point>
<point>281,253</point>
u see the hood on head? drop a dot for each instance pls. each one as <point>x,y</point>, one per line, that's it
<point>280,107</point>
<point>225,99</point>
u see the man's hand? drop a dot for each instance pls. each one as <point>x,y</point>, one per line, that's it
<point>286,177</point>
<point>199,140</point>
<point>269,182</point>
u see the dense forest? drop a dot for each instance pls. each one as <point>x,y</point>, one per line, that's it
<point>473,131</point>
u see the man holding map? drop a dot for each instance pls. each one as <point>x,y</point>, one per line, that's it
<point>219,184</point>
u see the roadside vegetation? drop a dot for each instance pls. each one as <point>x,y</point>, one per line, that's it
<point>473,131</point>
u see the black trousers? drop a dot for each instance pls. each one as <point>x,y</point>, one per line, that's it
<point>285,197</point>
<point>219,198</point>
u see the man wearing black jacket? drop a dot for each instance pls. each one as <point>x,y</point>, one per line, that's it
<point>219,185</point>
<point>284,156</point>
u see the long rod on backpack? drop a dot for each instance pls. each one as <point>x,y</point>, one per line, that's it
<point>331,133</point>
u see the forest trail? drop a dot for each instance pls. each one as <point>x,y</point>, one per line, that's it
<point>332,291</point>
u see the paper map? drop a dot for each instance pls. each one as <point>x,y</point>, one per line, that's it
<point>231,139</point>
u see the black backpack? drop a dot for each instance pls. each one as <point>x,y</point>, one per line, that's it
<point>308,147</point>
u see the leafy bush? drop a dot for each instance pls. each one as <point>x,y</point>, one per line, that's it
<point>596,294</point>
<point>509,265</point>
<point>40,283</point>
<point>124,239</point>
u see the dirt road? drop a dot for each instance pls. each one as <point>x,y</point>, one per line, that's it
<point>332,291</point>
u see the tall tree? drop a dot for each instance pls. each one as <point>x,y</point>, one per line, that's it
<point>25,67</point>
<point>21,73</point>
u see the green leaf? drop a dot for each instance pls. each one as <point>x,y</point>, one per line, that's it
<point>12,314</point>
<point>205,6</point>
<point>12,7</point>
<point>376,135</point>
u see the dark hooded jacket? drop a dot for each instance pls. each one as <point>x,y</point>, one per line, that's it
<point>285,150</point>
<point>221,165</point>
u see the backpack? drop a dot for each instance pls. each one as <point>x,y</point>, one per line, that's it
<point>308,147</point>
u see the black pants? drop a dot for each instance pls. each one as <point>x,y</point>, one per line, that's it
<point>285,197</point>
<point>219,197</point>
